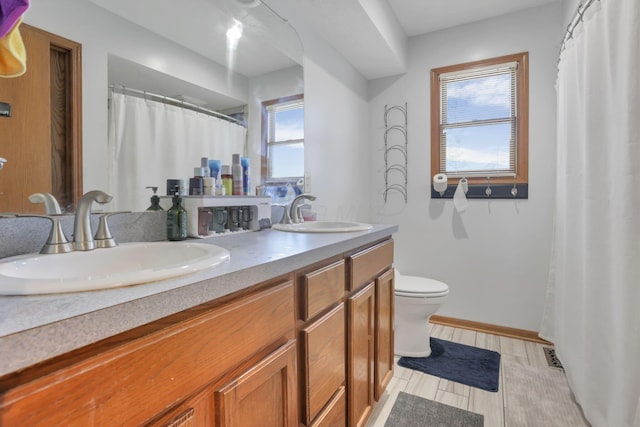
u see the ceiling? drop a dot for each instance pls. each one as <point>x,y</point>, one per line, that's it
<point>370,34</point>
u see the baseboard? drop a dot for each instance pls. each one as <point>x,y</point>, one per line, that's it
<point>521,334</point>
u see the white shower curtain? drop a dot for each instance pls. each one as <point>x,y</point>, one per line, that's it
<point>593,299</point>
<point>150,142</point>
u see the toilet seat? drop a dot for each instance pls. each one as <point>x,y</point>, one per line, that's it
<point>419,287</point>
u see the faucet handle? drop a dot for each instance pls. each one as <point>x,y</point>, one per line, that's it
<point>57,242</point>
<point>103,237</point>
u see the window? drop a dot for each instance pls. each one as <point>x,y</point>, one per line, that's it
<point>479,120</point>
<point>283,140</point>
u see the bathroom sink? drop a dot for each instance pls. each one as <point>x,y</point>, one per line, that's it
<point>123,265</point>
<point>323,227</point>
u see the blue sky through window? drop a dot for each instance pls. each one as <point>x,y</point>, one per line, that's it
<point>481,146</point>
<point>287,160</point>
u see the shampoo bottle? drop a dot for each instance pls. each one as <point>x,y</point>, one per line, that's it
<point>176,219</point>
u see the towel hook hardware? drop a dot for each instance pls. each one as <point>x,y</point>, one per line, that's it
<point>514,190</point>
<point>488,190</point>
<point>401,158</point>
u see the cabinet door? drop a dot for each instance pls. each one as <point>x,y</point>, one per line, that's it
<point>323,361</point>
<point>195,412</point>
<point>360,367</point>
<point>265,395</point>
<point>384,332</point>
<point>333,415</point>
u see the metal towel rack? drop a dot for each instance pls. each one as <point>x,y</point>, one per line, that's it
<point>395,165</point>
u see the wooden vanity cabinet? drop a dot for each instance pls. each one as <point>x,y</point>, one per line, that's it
<point>361,308</point>
<point>200,367</point>
<point>384,332</point>
<point>370,333</point>
<point>322,341</point>
<point>310,348</point>
<point>345,336</point>
<point>265,395</point>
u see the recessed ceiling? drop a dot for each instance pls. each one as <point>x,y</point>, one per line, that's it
<point>370,34</point>
<point>366,32</point>
<point>422,16</point>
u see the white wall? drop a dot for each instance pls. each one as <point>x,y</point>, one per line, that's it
<point>336,146</point>
<point>495,256</point>
<point>336,122</point>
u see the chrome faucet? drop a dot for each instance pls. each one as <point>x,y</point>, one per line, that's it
<point>82,236</point>
<point>51,205</point>
<point>291,214</point>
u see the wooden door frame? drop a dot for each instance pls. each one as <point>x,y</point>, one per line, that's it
<point>73,108</point>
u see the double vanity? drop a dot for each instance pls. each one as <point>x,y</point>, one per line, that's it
<point>293,328</point>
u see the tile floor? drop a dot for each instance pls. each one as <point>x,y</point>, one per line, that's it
<point>489,404</point>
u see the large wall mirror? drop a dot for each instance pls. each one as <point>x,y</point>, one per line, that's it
<point>176,51</point>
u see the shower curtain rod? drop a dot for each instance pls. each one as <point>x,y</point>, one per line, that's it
<point>577,18</point>
<point>172,101</point>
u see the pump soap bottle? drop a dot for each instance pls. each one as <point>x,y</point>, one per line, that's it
<point>177,219</point>
<point>155,200</point>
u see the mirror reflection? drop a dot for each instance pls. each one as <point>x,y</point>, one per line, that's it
<point>222,56</point>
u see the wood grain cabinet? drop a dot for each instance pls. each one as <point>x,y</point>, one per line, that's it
<point>265,395</point>
<point>311,348</point>
<point>360,355</point>
<point>166,373</point>
<point>370,329</point>
<point>322,341</point>
<point>384,331</point>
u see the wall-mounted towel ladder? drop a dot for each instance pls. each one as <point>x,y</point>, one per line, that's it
<point>395,151</point>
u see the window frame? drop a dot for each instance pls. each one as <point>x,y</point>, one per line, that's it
<point>522,117</point>
<point>265,178</point>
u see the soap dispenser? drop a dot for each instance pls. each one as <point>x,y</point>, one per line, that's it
<point>155,200</point>
<point>176,219</point>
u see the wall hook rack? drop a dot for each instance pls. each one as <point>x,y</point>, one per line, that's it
<point>395,152</point>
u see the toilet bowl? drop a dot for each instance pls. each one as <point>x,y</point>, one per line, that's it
<point>416,299</point>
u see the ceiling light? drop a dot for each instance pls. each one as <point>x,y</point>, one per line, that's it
<point>248,3</point>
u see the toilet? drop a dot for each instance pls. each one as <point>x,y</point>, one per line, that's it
<point>416,299</point>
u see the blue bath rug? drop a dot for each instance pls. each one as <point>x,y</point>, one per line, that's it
<point>472,366</point>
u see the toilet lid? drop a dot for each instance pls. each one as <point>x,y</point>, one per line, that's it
<point>419,285</point>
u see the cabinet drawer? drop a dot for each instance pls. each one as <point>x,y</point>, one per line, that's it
<point>335,414</point>
<point>323,361</point>
<point>370,263</point>
<point>321,289</point>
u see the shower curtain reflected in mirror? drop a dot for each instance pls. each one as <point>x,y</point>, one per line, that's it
<point>150,142</point>
<point>593,298</point>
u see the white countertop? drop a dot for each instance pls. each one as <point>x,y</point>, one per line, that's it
<point>37,328</point>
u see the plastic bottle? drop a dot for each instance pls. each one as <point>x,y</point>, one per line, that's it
<point>227,180</point>
<point>244,161</point>
<point>204,164</point>
<point>236,174</point>
<point>155,201</point>
<point>176,219</point>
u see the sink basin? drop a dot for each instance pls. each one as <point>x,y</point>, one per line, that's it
<point>123,265</point>
<point>323,227</point>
